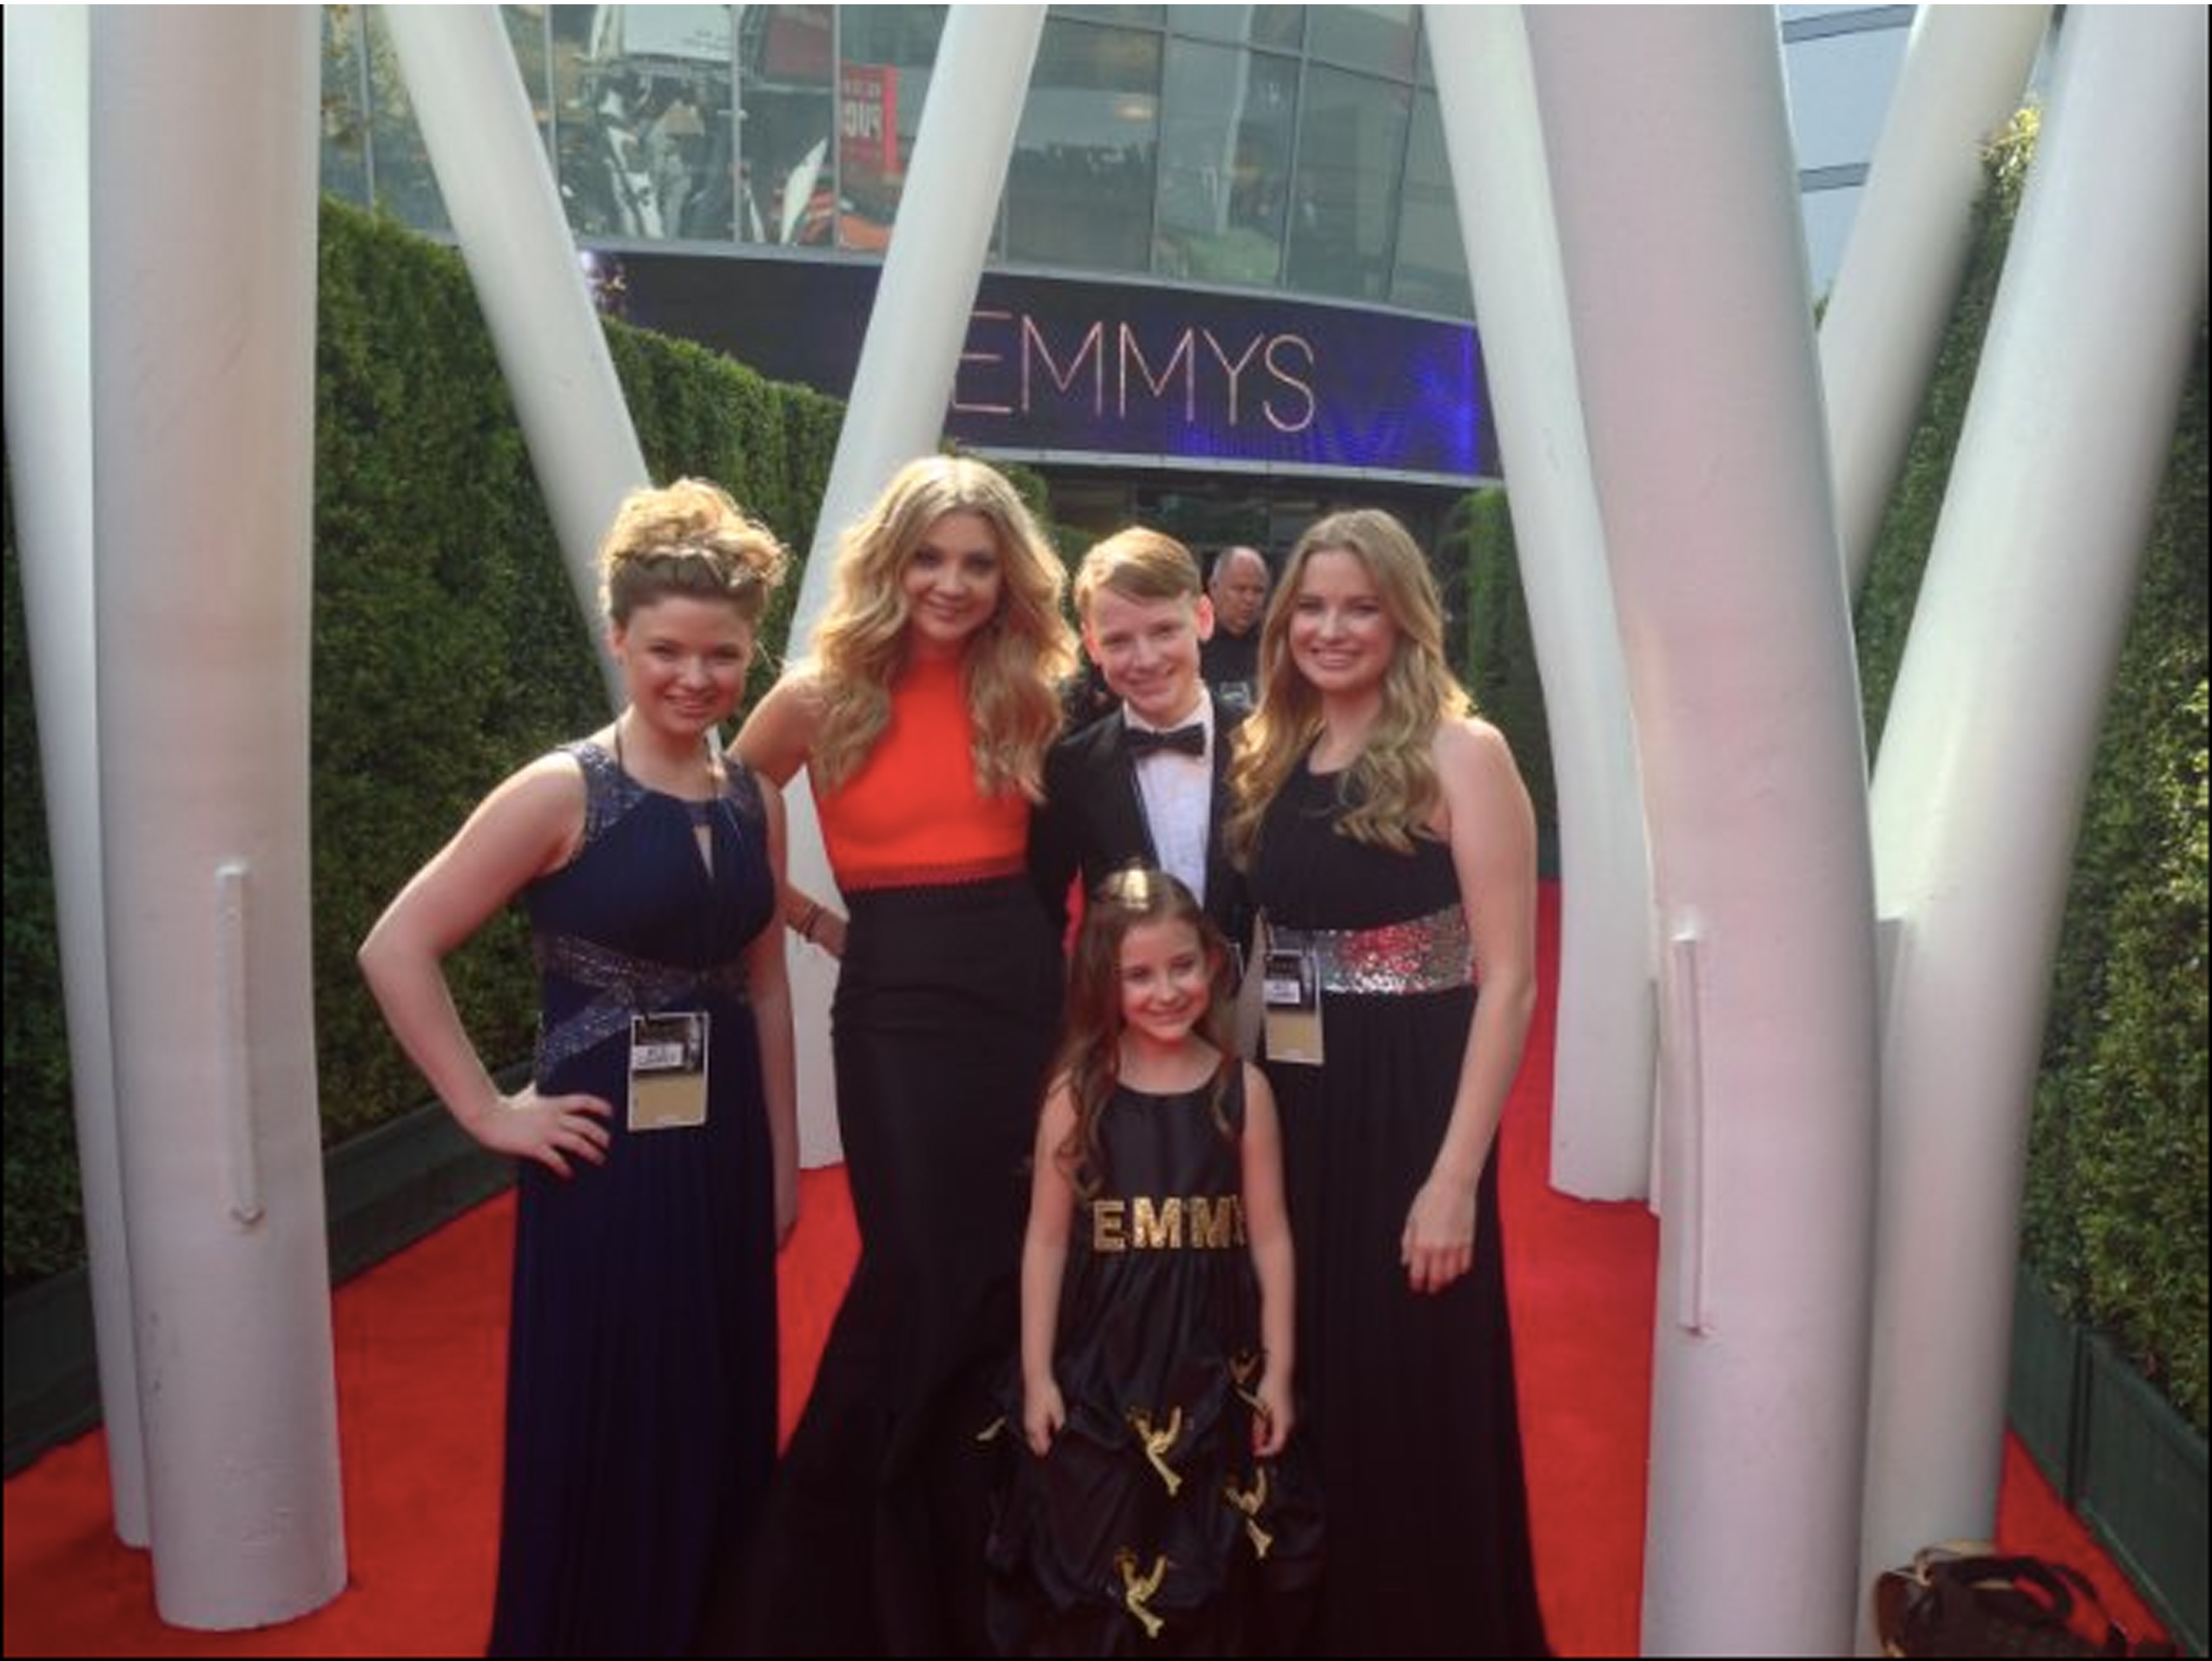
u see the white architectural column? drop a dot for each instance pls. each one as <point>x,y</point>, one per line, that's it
<point>203,237</point>
<point>1993,728</point>
<point>1602,1091</point>
<point>1676,194</point>
<point>896,411</point>
<point>49,398</point>
<point>499,191</point>
<point>1892,300</point>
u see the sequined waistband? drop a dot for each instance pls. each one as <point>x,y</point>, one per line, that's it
<point>626,986</point>
<point>1434,953</point>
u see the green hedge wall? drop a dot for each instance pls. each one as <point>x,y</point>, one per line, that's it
<point>447,650</point>
<point>2114,1216</point>
<point>41,1215</point>
<point>1500,666</point>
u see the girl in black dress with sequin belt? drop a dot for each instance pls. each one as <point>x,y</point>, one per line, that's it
<point>1390,841</point>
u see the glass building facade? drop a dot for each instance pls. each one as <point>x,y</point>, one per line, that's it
<point>1267,157</point>
<point>1288,148</point>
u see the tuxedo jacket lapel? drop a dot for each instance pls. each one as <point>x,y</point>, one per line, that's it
<point>1124,833</point>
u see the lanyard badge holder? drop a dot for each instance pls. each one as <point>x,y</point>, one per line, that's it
<point>1290,977</point>
<point>668,1070</point>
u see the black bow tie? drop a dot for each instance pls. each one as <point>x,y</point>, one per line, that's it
<point>1143,741</point>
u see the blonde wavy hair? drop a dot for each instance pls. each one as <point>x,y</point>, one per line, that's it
<point>1011,665</point>
<point>1392,789</point>
<point>688,538</point>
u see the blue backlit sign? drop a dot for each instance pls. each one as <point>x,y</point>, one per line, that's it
<point>1061,365</point>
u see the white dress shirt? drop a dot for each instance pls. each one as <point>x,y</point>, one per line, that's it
<point>1177,791</point>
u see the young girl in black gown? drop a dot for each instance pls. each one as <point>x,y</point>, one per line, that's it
<point>641,1369</point>
<point>1391,844</point>
<point>1159,1511</point>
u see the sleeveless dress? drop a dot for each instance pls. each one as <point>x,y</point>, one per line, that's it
<point>1409,1397</point>
<point>941,1029</point>
<point>641,1370</point>
<point>1150,1528</point>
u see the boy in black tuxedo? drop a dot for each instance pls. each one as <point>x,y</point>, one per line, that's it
<point>1145,784</point>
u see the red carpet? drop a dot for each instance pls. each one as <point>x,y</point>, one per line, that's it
<point>420,1347</point>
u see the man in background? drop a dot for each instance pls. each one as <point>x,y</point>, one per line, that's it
<point>1230,661</point>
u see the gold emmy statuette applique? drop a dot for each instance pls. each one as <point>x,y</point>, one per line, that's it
<point>1248,1501</point>
<point>1158,1442</point>
<point>1137,1590</point>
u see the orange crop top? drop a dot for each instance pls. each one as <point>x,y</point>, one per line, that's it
<point>912,816</point>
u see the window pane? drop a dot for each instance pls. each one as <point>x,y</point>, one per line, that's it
<point>346,118</point>
<point>644,119</point>
<point>404,185</point>
<point>1352,138</point>
<point>882,81</point>
<point>1080,189</point>
<point>1839,88</point>
<point>1432,271</point>
<point>525,37</point>
<point>1137,14</point>
<point>1281,27</point>
<point>1224,163</point>
<point>787,170</point>
<point>1376,38</point>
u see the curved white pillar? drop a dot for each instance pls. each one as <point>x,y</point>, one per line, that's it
<point>1676,195</point>
<point>204,158</point>
<point>1993,728</point>
<point>499,192</point>
<point>49,397</point>
<point>896,411</point>
<point>1602,1070</point>
<point>1892,300</point>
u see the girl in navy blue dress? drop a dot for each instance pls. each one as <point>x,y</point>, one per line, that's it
<point>656,1141</point>
<point>1157,1509</point>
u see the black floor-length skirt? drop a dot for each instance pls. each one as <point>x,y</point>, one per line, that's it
<point>942,1026</point>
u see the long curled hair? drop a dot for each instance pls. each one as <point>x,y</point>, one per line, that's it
<point>1392,790</point>
<point>689,537</point>
<point>1090,1058</point>
<point>1011,667</point>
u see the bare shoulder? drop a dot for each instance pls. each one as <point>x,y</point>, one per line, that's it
<point>1059,1101</point>
<point>1256,1088</point>
<point>1481,790</point>
<point>550,789</point>
<point>541,807</point>
<point>530,825</point>
<point>800,694</point>
<point>1472,747</point>
<point>779,735</point>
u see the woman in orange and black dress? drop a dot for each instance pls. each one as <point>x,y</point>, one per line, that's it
<point>923,719</point>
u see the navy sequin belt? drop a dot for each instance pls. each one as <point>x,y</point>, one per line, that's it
<point>626,986</point>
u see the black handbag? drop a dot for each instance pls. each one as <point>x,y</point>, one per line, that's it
<point>1964,1599</point>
